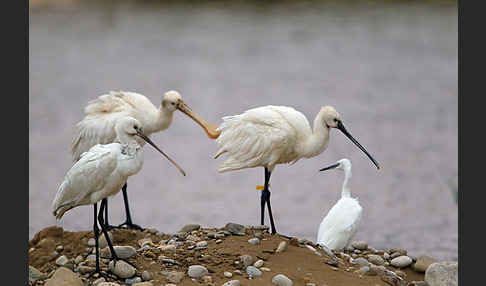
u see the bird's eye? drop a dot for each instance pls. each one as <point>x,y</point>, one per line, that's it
<point>335,120</point>
<point>135,127</point>
<point>173,103</point>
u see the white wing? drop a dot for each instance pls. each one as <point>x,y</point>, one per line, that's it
<point>258,137</point>
<point>98,126</point>
<point>86,176</point>
<point>340,224</point>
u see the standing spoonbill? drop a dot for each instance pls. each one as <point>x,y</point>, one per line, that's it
<point>98,126</point>
<point>101,172</point>
<point>341,222</point>
<point>270,135</point>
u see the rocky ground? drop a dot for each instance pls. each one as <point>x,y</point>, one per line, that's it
<point>231,255</point>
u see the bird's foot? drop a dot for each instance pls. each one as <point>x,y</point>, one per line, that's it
<point>104,275</point>
<point>129,225</point>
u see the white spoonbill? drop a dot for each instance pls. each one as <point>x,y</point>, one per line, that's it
<point>101,172</point>
<point>341,222</point>
<point>102,113</point>
<point>270,135</point>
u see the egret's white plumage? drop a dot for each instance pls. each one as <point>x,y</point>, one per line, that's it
<point>270,135</point>
<point>341,223</point>
<point>102,170</point>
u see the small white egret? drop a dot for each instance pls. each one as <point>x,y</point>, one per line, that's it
<point>102,113</point>
<point>341,222</point>
<point>270,135</point>
<point>100,172</point>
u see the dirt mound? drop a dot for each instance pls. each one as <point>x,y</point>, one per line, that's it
<point>221,254</point>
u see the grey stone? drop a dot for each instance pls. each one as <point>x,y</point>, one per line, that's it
<point>254,241</point>
<point>395,255</point>
<point>361,245</point>
<point>121,269</point>
<point>170,247</point>
<point>401,261</point>
<point>122,251</point>
<point>361,261</point>
<point>246,260</point>
<point>62,260</point>
<point>227,274</point>
<point>102,240</point>
<point>64,277</point>
<point>258,263</point>
<point>442,273</point>
<point>190,227</point>
<point>175,276</point>
<point>146,276</point>
<point>202,244</point>
<point>376,259</point>
<point>281,280</point>
<point>78,259</point>
<point>235,228</point>
<point>83,269</point>
<point>98,281</point>
<point>108,284</point>
<point>133,280</point>
<point>252,271</point>
<point>197,271</point>
<point>232,283</point>
<point>238,272</point>
<point>422,263</point>
<point>35,274</point>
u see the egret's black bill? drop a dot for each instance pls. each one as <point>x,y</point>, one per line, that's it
<point>340,126</point>
<point>145,137</point>
<point>330,167</point>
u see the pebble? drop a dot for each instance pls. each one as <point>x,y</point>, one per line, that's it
<point>227,274</point>
<point>376,259</point>
<point>399,250</point>
<point>258,263</point>
<point>395,255</point>
<point>170,247</point>
<point>202,244</point>
<point>190,227</point>
<point>361,261</point>
<point>35,274</point>
<point>386,255</point>
<point>59,248</point>
<point>192,238</point>
<point>98,281</point>
<point>85,269</point>
<point>146,276</point>
<point>207,279</point>
<point>423,262</point>
<point>357,251</point>
<point>238,272</point>
<point>282,246</point>
<point>258,234</point>
<point>197,271</point>
<point>64,276</point>
<point>281,280</point>
<point>442,274</point>
<point>78,259</point>
<point>108,284</point>
<point>235,228</point>
<point>175,276</point>
<point>121,269</point>
<point>361,245</point>
<point>145,241</point>
<point>331,262</point>
<point>133,280</point>
<point>253,271</point>
<point>143,284</point>
<point>246,260</point>
<point>254,241</point>
<point>122,251</point>
<point>266,269</point>
<point>401,261</point>
<point>232,283</point>
<point>62,260</point>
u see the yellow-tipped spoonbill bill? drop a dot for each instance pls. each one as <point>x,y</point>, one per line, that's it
<point>341,222</point>
<point>102,113</point>
<point>101,172</point>
<point>270,135</point>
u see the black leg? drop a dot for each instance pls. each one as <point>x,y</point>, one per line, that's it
<point>96,236</point>
<point>266,196</point>
<point>105,232</point>
<point>107,224</point>
<point>262,206</point>
<point>128,222</point>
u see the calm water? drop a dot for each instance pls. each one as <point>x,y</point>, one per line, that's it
<point>391,71</point>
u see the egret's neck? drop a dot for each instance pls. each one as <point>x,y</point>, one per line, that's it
<point>346,192</point>
<point>318,141</point>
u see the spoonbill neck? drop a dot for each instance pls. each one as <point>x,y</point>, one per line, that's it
<point>160,122</point>
<point>318,141</point>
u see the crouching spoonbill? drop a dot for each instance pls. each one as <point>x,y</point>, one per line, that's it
<point>102,113</point>
<point>340,224</point>
<point>270,135</point>
<point>101,172</point>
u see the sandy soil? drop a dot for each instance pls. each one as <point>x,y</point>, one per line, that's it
<point>297,262</point>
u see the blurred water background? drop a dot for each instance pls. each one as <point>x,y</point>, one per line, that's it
<point>389,68</point>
